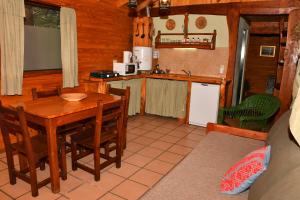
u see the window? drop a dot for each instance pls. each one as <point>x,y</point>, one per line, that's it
<point>42,38</point>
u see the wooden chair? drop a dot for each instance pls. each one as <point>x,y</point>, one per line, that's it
<point>46,93</point>
<point>126,94</point>
<point>91,138</point>
<point>32,150</point>
<point>62,131</point>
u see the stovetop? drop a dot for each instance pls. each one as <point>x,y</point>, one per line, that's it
<point>104,74</point>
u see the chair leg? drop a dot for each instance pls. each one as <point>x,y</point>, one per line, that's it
<point>107,150</point>
<point>42,165</point>
<point>97,164</point>
<point>74,156</point>
<point>33,182</point>
<point>124,138</point>
<point>118,151</point>
<point>63,160</point>
<point>11,168</point>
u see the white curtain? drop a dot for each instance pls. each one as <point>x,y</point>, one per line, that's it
<point>68,32</point>
<point>12,13</point>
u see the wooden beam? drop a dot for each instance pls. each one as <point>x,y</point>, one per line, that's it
<point>290,61</point>
<point>236,131</point>
<point>245,8</point>
<point>120,3</point>
<point>144,4</point>
<point>264,28</point>
<point>233,18</point>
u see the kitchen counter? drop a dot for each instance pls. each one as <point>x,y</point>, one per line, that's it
<point>100,85</point>
<point>178,77</point>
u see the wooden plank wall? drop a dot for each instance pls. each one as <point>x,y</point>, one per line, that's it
<point>120,3</point>
<point>258,68</point>
<point>194,2</point>
<point>104,32</point>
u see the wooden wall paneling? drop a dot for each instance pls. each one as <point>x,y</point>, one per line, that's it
<point>142,26</point>
<point>104,32</point>
<point>258,68</point>
<point>233,17</point>
<point>222,101</point>
<point>188,102</point>
<point>121,3</point>
<point>246,8</point>
<point>264,28</point>
<point>290,61</point>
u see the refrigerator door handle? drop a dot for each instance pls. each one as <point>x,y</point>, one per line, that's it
<point>204,84</point>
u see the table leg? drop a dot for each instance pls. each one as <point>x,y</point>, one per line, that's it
<point>53,155</point>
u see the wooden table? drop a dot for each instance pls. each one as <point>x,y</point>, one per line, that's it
<point>52,112</point>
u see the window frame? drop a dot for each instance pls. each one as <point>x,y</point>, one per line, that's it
<point>35,73</point>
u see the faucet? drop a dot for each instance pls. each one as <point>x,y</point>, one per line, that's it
<point>189,73</point>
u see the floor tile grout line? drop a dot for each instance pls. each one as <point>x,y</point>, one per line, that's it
<point>141,168</point>
<point>111,193</point>
<point>62,196</point>
<point>151,159</point>
<point>6,193</point>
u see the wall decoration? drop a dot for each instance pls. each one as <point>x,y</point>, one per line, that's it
<point>170,24</point>
<point>201,22</point>
<point>267,51</point>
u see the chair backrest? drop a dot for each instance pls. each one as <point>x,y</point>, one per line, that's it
<point>123,93</point>
<point>106,113</point>
<point>13,124</point>
<point>266,104</point>
<point>45,93</point>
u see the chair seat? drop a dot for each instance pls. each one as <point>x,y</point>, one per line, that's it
<point>73,127</point>
<point>39,145</point>
<point>86,137</point>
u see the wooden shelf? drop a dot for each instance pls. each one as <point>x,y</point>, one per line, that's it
<point>209,44</point>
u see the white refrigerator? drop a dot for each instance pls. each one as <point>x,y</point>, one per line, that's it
<point>204,103</point>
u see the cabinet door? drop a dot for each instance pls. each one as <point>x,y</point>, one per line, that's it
<point>204,103</point>
<point>166,98</point>
<point>135,95</point>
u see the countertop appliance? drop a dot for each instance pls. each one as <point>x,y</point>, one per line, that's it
<point>104,74</point>
<point>125,69</point>
<point>204,103</point>
<point>143,56</point>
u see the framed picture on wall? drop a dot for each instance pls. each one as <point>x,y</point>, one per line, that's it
<point>267,51</point>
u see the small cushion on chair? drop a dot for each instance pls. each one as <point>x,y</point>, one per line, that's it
<point>242,174</point>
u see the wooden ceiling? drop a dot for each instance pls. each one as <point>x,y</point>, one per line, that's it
<point>218,7</point>
<point>194,2</point>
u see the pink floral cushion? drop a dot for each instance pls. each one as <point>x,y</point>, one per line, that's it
<point>242,174</point>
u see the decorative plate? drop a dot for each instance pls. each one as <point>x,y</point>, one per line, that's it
<point>73,96</point>
<point>201,22</point>
<point>170,24</point>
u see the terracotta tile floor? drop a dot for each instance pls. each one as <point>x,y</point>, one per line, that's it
<point>155,146</point>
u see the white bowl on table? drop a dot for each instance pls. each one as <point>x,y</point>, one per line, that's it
<point>73,96</point>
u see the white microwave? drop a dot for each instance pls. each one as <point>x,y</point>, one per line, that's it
<point>125,69</point>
